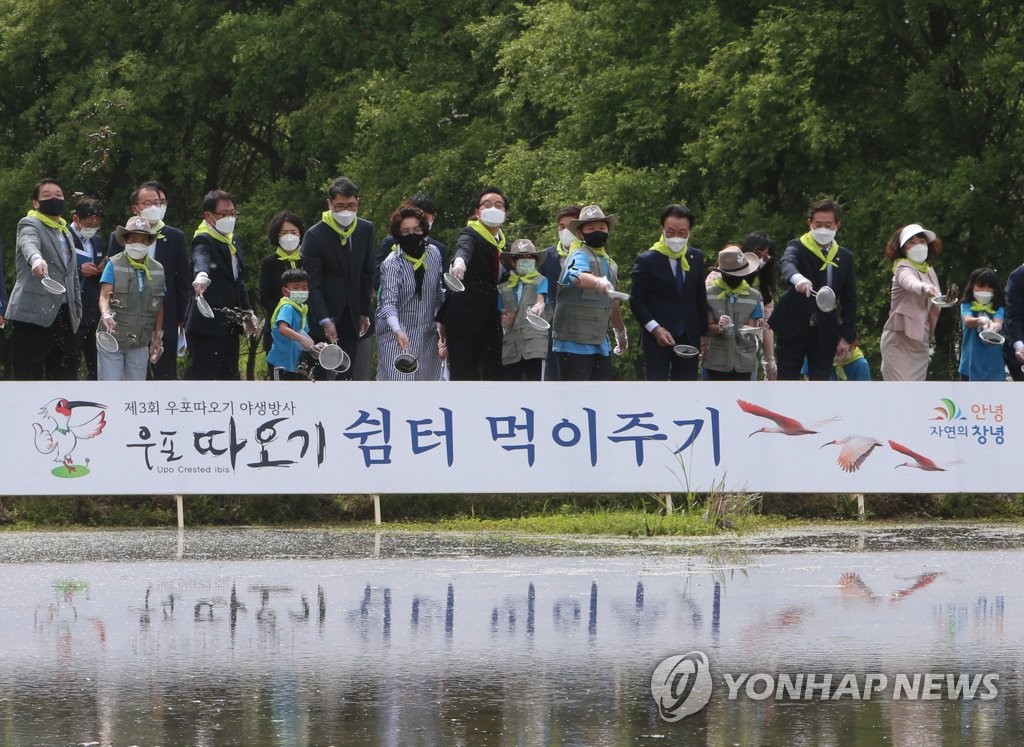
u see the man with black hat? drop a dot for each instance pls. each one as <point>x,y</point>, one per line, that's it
<point>735,317</point>
<point>85,222</point>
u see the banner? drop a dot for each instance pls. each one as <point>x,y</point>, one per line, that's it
<point>206,437</point>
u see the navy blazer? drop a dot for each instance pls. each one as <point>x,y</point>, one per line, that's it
<point>793,310</point>
<point>1014,306</point>
<point>340,276</point>
<point>172,255</point>
<point>550,266</point>
<point>3,283</point>
<point>225,291</point>
<point>90,286</point>
<point>655,295</point>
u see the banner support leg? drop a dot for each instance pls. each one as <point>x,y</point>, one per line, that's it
<point>376,509</point>
<point>180,501</point>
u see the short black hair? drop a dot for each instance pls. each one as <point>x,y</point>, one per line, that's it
<point>492,190</point>
<point>675,210</point>
<point>826,206</point>
<point>425,203</point>
<point>342,186</point>
<point>87,207</point>
<point>42,183</point>
<point>212,198</point>
<point>294,275</point>
<point>285,216</point>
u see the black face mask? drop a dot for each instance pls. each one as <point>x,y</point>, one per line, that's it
<point>412,244</point>
<point>52,206</point>
<point>595,239</point>
<point>732,281</point>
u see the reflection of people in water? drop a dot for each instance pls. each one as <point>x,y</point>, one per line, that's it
<point>852,587</point>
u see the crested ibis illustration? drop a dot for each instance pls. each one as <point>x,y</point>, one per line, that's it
<point>785,425</point>
<point>60,436</point>
<point>920,460</point>
<point>855,450</point>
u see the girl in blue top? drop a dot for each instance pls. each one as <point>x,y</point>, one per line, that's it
<point>981,308</point>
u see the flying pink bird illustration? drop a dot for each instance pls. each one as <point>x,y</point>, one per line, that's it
<point>786,425</point>
<point>920,460</point>
<point>855,450</point>
<point>62,437</point>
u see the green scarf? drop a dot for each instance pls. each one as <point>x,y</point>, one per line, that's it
<point>531,277</point>
<point>812,246</point>
<point>302,308</point>
<point>481,229</point>
<point>142,266</point>
<point>576,244</point>
<point>662,248</point>
<point>921,267</point>
<point>418,263</point>
<point>160,225</point>
<point>727,290</point>
<point>292,258</point>
<point>60,224</point>
<point>345,233</point>
<point>975,306</point>
<point>204,228</point>
<point>855,355</point>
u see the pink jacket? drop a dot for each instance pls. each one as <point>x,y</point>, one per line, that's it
<point>911,311</point>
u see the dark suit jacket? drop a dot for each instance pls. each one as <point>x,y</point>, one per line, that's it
<point>172,254</point>
<point>340,277</point>
<point>3,283</point>
<point>550,266</point>
<point>655,295</point>
<point>90,286</point>
<point>793,310</point>
<point>1014,305</point>
<point>214,258</point>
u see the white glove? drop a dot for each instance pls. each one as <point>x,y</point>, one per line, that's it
<point>403,339</point>
<point>538,308</point>
<point>459,268</point>
<point>251,324</point>
<point>39,267</point>
<point>201,283</point>
<point>604,285</point>
<point>803,286</point>
<point>108,322</point>
<point>621,341</point>
<point>771,371</point>
<point>929,290</point>
<point>306,343</point>
<point>725,322</point>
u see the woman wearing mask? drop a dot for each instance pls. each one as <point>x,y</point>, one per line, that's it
<point>131,305</point>
<point>910,329</point>
<point>284,232</point>
<point>411,293</point>
<point>524,294</point>
<point>470,317</point>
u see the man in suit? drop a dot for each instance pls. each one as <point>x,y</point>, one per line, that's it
<point>85,222</point>
<point>669,300</point>
<point>220,278</point>
<point>802,330</point>
<point>45,322</point>
<point>149,200</point>
<point>337,253</point>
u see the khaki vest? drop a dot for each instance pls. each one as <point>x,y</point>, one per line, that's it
<point>732,352</point>
<point>523,341</point>
<point>582,315</point>
<point>135,312</point>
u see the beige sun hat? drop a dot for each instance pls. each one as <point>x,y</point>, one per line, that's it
<point>591,214</point>
<point>734,261</point>
<point>135,224</point>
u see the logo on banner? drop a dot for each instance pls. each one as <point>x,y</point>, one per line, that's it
<point>948,411</point>
<point>64,424</point>
<point>681,685</point>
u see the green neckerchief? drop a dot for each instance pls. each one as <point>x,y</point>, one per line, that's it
<point>531,277</point>
<point>302,308</point>
<point>728,290</point>
<point>855,355</point>
<point>292,258</point>
<point>975,306</point>
<point>921,267</point>
<point>160,226</point>
<point>345,233</point>
<point>812,246</point>
<point>576,244</point>
<point>60,224</point>
<point>204,228</point>
<point>481,229</point>
<point>142,266</point>
<point>418,263</point>
<point>662,248</point>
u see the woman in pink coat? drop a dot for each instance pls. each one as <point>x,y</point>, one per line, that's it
<point>910,329</point>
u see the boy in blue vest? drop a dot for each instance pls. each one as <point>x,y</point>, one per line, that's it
<point>290,327</point>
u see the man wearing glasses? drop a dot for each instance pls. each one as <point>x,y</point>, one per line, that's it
<point>337,253</point>
<point>149,200</point>
<point>220,280</point>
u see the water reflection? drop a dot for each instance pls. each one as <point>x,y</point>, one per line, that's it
<point>512,650</point>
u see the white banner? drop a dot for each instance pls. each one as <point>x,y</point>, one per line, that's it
<point>204,437</point>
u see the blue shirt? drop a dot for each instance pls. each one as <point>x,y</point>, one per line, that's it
<point>108,276</point>
<point>576,263</point>
<point>542,290</point>
<point>980,361</point>
<point>284,352</point>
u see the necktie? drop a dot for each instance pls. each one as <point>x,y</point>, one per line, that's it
<point>680,277</point>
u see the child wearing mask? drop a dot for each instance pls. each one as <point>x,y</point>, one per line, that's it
<point>290,327</point>
<point>524,348</point>
<point>981,309</point>
<point>735,316</point>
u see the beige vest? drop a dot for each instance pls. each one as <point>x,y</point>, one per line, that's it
<point>135,311</point>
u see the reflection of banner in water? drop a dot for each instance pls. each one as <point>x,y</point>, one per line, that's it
<point>284,437</point>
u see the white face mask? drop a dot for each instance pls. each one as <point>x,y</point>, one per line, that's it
<point>525,266</point>
<point>299,297</point>
<point>983,297</point>
<point>918,253</point>
<point>824,236</point>
<point>677,244</point>
<point>345,217</point>
<point>492,217</point>
<point>225,225</point>
<point>566,237</point>
<point>87,233</point>
<point>137,251</point>
<point>153,212</point>
<point>289,242</point>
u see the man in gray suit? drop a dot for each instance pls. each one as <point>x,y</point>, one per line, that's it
<point>45,321</point>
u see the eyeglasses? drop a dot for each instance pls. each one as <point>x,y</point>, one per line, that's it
<point>670,234</point>
<point>339,206</point>
<point>152,203</point>
<point>227,214</point>
<point>489,204</point>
